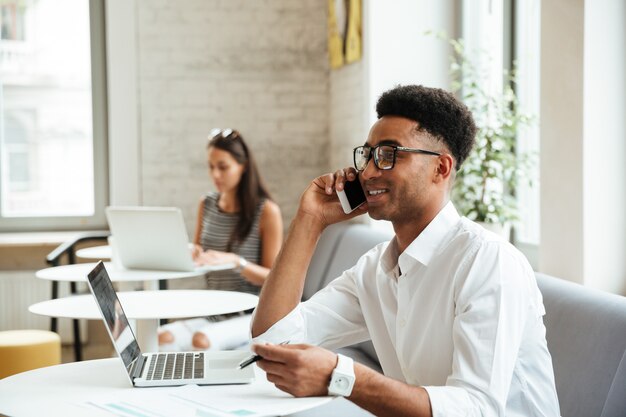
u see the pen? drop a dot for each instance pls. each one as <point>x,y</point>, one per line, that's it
<point>253,358</point>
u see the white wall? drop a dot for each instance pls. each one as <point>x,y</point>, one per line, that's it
<point>561,153</point>
<point>399,52</point>
<point>122,106</point>
<point>604,146</point>
<point>583,151</point>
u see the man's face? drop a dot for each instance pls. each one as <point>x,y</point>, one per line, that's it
<point>401,193</point>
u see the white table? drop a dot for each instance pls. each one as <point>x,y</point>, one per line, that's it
<point>150,279</point>
<point>78,273</point>
<point>63,390</point>
<point>147,307</point>
<point>102,252</point>
<point>95,252</point>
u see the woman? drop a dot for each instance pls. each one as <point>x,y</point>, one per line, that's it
<point>238,224</point>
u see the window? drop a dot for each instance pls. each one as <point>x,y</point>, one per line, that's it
<point>12,20</point>
<point>52,115</point>
<point>509,31</point>
<point>526,54</point>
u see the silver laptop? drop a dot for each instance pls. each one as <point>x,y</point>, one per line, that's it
<point>167,368</point>
<point>153,238</point>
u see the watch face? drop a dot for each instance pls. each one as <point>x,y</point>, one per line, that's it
<point>342,383</point>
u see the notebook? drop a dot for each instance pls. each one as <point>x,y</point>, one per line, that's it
<point>161,368</point>
<point>153,238</point>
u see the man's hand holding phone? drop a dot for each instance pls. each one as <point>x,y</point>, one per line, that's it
<point>351,196</point>
<point>319,207</point>
<point>349,191</point>
<point>321,198</point>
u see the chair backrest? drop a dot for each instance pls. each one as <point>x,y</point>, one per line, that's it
<point>67,248</point>
<point>586,334</point>
<point>339,248</point>
<point>322,257</point>
<point>353,243</point>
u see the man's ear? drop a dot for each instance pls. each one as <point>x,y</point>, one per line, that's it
<point>445,166</point>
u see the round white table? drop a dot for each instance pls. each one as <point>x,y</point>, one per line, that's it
<point>95,252</point>
<point>101,252</point>
<point>78,273</point>
<point>147,307</point>
<point>65,390</point>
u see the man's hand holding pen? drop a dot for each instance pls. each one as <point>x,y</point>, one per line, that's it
<point>254,358</point>
<point>301,370</point>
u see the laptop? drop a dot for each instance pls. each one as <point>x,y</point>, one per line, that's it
<point>162,369</point>
<point>153,238</point>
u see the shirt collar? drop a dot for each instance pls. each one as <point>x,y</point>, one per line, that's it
<point>389,258</point>
<point>424,246</point>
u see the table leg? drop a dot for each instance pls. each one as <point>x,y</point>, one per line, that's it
<point>147,335</point>
<point>78,348</point>
<point>151,285</point>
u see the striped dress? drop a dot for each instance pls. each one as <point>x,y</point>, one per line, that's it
<point>216,229</point>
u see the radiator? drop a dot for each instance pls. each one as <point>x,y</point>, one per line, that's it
<point>20,289</point>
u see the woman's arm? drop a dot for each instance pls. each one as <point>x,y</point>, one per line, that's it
<point>197,248</point>
<point>271,233</point>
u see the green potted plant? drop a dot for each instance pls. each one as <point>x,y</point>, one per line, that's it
<point>485,185</point>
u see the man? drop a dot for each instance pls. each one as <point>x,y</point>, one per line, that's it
<point>453,311</point>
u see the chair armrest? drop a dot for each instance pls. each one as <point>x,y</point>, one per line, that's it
<point>68,247</point>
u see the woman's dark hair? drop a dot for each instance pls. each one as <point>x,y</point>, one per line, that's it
<point>437,112</point>
<point>250,190</point>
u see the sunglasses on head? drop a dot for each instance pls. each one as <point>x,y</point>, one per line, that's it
<point>222,133</point>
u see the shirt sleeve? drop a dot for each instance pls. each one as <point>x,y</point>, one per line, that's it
<point>332,318</point>
<point>495,298</point>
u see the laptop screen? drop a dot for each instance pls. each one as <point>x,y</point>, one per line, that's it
<point>150,238</point>
<point>114,318</point>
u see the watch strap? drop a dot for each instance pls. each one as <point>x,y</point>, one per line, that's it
<point>342,378</point>
<point>241,264</point>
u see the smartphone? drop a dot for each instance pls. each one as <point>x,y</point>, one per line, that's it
<point>352,196</point>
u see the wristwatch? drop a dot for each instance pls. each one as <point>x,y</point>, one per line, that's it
<point>342,378</point>
<point>241,264</point>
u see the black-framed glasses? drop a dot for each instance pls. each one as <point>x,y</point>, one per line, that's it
<point>384,155</point>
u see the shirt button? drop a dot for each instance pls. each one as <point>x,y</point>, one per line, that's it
<point>402,322</point>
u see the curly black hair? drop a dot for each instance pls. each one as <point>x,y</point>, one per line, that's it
<point>436,111</point>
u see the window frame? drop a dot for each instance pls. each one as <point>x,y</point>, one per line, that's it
<point>530,195</point>
<point>100,138</point>
<point>509,54</point>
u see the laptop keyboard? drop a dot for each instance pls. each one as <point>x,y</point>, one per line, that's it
<point>172,366</point>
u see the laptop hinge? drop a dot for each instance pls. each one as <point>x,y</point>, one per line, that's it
<point>137,366</point>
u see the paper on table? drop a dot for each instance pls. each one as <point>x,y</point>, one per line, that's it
<point>258,399</point>
<point>143,403</point>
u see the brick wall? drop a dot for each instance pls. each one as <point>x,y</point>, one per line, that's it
<point>260,67</point>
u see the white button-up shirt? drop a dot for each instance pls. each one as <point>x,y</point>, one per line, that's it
<point>458,312</point>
